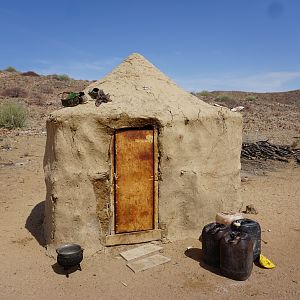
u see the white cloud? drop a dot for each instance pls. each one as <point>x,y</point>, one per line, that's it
<point>261,82</point>
<point>78,70</point>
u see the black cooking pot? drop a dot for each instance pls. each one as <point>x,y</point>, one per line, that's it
<point>69,255</point>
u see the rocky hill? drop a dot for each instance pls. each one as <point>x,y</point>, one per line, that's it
<point>273,116</point>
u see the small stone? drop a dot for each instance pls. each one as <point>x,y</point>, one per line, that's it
<point>250,209</point>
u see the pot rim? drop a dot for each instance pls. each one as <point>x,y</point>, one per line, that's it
<point>69,245</point>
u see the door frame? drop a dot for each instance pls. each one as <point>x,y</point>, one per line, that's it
<point>139,236</point>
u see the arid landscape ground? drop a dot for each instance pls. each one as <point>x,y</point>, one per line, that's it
<point>272,187</point>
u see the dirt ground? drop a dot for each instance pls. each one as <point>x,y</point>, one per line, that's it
<point>272,187</point>
<point>27,273</point>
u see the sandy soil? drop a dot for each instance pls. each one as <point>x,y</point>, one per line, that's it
<point>27,273</point>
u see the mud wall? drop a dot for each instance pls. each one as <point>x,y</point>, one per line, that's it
<point>199,168</point>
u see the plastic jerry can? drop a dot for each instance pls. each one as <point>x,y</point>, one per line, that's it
<point>253,229</point>
<point>211,236</point>
<point>236,255</point>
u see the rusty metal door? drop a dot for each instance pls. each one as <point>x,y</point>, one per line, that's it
<point>134,180</point>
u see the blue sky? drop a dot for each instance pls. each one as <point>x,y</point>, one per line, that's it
<point>251,45</point>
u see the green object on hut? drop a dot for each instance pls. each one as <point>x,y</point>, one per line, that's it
<point>70,99</point>
<point>72,95</point>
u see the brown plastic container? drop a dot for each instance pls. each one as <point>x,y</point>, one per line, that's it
<point>253,229</point>
<point>236,255</point>
<point>212,233</point>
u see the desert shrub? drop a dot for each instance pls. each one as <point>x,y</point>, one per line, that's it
<point>10,69</point>
<point>14,92</point>
<point>204,93</point>
<point>36,98</point>
<point>226,100</point>
<point>46,89</point>
<point>223,98</point>
<point>250,98</point>
<point>12,115</point>
<point>30,73</point>
<point>62,77</point>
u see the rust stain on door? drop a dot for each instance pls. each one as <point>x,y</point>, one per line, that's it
<point>134,180</point>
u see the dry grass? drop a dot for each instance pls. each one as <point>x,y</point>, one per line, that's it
<point>12,115</point>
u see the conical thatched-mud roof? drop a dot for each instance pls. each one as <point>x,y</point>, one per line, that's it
<point>137,86</point>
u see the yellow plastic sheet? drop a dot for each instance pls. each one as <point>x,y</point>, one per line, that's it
<point>265,262</point>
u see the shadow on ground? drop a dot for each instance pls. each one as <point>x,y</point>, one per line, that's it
<point>197,255</point>
<point>58,269</point>
<point>34,223</point>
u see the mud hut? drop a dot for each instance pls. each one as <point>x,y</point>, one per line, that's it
<point>155,162</point>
